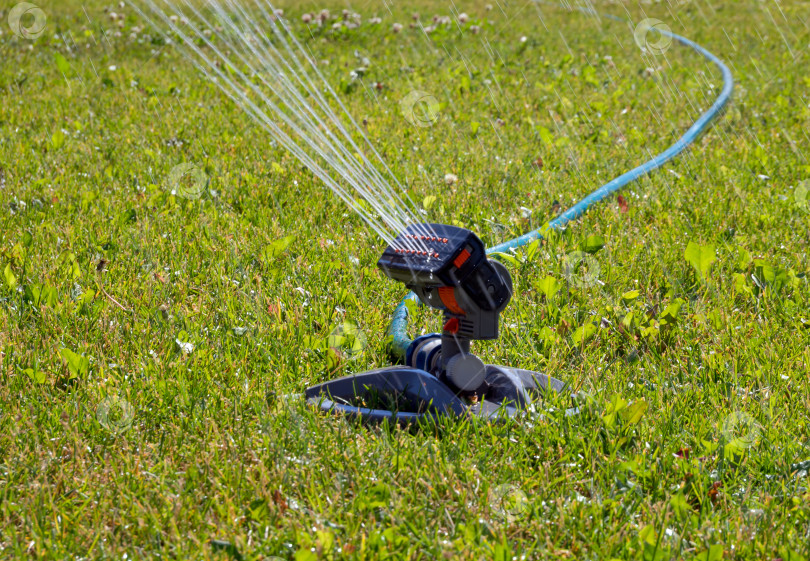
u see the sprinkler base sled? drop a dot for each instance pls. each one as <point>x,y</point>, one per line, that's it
<point>407,395</point>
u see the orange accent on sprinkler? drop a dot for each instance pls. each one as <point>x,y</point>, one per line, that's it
<point>452,325</point>
<point>448,297</point>
<point>462,257</point>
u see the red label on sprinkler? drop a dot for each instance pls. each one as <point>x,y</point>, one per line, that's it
<point>462,257</point>
<point>451,325</point>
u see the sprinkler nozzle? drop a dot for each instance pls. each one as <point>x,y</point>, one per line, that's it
<point>448,269</point>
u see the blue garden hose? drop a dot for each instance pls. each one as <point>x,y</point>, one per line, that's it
<point>399,323</point>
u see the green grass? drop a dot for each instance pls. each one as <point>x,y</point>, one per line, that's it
<point>114,439</point>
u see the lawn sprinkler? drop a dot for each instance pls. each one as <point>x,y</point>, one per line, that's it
<point>447,269</point>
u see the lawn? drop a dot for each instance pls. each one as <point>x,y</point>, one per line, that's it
<point>158,324</point>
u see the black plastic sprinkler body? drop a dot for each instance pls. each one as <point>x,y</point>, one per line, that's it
<point>448,269</point>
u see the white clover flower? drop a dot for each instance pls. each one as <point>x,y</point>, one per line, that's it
<point>463,18</point>
<point>396,28</point>
<point>450,178</point>
<point>185,348</point>
<point>306,18</point>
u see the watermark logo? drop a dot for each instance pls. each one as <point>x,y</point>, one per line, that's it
<point>348,340</point>
<point>115,414</point>
<point>188,181</point>
<point>581,269</point>
<point>27,20</point>
<point>509,502</point>
<point>420,108</point>
<point>800,195</point>
<point>741,429</point>
<point>653,36</point>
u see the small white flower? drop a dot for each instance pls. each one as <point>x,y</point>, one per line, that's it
<point>463,18</point>
<point>450,178</point>
<point>524,39</point>
<point>375,20</point>
<point>475,29</point>
<point>185,348</point>
<point>396,28</point>
<point>306,18</point>
<point>488,7</point>
<point>112,68</point>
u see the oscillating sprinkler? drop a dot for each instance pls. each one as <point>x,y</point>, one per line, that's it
<point>448,269</point>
